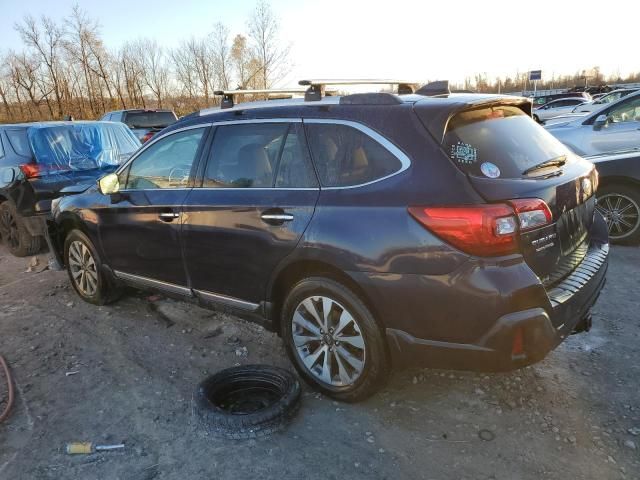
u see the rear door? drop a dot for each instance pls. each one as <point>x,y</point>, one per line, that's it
<point>140,231</point>
<point>257,195</point>
<point>499,148</point>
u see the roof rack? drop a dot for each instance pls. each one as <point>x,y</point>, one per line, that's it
<point>316,88</point>
<point>228,100</point>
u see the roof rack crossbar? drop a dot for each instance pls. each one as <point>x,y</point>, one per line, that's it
<point>228,100</point>
<point>316,87</point>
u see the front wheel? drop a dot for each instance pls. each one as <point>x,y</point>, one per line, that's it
<point>333,340</point>
<point>85,270</point>
<point>620,207</point>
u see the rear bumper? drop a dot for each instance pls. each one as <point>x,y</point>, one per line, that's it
<point>541,329</point>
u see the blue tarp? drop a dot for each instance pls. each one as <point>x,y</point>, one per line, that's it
<point>81,146</point>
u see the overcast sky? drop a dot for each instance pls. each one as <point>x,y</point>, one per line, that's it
<point>422,40</point>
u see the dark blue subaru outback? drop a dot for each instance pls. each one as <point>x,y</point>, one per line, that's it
<point>369,230</point>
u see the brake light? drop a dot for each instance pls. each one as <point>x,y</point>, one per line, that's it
<point>532,213</point>
<point>147,137</point>
<point>486,230</point>
<point>30,170</point>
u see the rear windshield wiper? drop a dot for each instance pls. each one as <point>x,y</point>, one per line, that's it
<point>554,162</point>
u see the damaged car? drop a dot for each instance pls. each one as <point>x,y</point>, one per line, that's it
<point>42,161</point>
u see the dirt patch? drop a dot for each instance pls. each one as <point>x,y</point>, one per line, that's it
<point>126,373</point>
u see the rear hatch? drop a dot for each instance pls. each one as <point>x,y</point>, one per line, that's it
<point>146,123</point>
<point>507,156</point>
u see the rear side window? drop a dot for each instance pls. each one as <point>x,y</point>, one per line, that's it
<point>259,155</point>
<point>499,141</point>
<point>345,156</point>
<point>19,141</point>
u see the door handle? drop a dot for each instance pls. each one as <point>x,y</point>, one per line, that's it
<point>282,217</point>
<point>276,217</point>
<point>168,216</point>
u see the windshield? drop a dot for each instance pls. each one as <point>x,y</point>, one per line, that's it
<point>149,119</point>
<point>76,147</point>
<point>499,142</point>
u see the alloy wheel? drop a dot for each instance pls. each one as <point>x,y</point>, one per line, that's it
<point>9,229</point>
<point>621,213</point>
<point>328,341</point>
<point>83,268</point>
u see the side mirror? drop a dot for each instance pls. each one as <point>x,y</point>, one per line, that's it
<point>109,184</point>
<point>600,122</point>
<point>7,176</point>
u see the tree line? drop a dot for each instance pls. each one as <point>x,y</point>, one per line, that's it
<point>65,69</point>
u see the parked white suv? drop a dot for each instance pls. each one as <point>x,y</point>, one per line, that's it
<point>613,128</point>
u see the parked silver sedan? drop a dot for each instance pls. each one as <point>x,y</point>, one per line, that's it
<point>556,108</point>
<point>613,128</point>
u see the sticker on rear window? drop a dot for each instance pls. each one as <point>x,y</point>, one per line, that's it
<point>464,153</point>
<point>490,170</point>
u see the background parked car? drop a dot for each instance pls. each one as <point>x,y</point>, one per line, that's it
<point>556,108</point>
<point>619,194</point>
<point>41,161</point>
<point>605,99</point>
<point>143,123</point>
<point>615,127</point>
<point>539,100</point>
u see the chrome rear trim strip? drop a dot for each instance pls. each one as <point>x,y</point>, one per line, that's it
<point>226,300</point>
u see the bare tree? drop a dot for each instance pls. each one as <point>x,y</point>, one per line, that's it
<point>247,68</point>
<point>221,51</point>
<point>264,34</point>
<point>154,68</point>
<point>46,40</point>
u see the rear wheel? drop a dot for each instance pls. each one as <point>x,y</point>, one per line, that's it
<point>85,270</point>
<point>14,233</point>
<point>333,339</point>
<point>620,207</point>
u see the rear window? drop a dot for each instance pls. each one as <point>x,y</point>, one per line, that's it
<point>499,142</point>
<point>149,119</point>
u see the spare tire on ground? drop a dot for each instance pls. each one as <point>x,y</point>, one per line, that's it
<point>249,401</point>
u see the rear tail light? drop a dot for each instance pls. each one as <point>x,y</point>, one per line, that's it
<point>30,170</point>
<point>486,230</point>
<point>532,213</point>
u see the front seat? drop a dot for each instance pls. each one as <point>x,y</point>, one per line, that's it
<point>253,168</point>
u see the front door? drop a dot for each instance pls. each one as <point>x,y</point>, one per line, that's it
<point>622,130</point>
<point>140,232</point>
<point>257,196</point>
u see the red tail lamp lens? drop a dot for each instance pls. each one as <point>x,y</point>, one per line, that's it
<point>485,230</point>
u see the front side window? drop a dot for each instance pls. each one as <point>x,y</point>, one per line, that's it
<point>345,156</point>
<point>628,111</point>
<point>166,163</point>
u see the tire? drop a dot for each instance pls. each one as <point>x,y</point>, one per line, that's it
<point>620,205</point>
<point>349,361</point>
<point>249,401</point>
<point>88,279</point>
<point>14,233</point>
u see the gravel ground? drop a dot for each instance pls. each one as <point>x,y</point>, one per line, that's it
<point>126,372</point>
